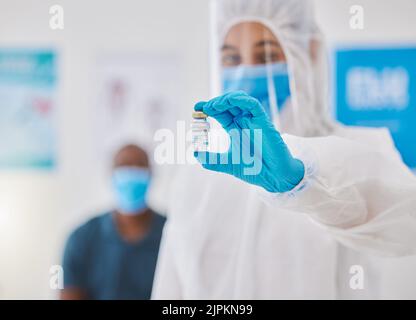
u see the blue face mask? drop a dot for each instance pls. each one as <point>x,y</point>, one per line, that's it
<point>130,185</point>
<point>254,81</point>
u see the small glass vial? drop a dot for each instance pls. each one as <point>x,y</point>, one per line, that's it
<point>200,131</point>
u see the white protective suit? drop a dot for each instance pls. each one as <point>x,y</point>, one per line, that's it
<point>226,239</point>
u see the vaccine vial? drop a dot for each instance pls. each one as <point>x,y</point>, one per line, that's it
<point>200,131</point>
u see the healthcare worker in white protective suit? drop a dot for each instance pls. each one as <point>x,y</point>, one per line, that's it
<point>327,199</point>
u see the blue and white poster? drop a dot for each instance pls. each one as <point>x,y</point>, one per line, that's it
<point>376,87</point>
<point>27,109</point>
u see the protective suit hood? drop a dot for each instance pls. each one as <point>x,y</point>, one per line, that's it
<point>292,22</point>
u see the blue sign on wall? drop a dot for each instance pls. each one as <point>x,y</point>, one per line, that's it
<point>377,88</point>
<point>27,108</point>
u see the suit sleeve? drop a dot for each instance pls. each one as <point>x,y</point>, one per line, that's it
<point>363,196</point>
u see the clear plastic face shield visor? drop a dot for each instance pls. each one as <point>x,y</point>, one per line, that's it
<point>249,57</point>
<point>265,49</point>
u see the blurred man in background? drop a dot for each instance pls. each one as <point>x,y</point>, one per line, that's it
<point>113,256</point>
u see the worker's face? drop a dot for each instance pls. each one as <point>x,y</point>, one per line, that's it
<point>251,43</point>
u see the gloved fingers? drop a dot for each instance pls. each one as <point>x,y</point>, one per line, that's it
<point>224,118</point>
<point>234,110</point>
<point>220,162</point>
<point>206,107</point>
<point>199,106</point>
<point>218,105</point>
<point>223,104</point>
<point>246,103</point>
<point>244,122</point>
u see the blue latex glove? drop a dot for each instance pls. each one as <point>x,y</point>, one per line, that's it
<point>240,113</point>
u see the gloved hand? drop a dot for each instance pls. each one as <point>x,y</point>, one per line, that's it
<point>250,130</point>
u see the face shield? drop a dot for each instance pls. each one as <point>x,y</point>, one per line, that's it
<point>263,48</point>
<point>252,60</point>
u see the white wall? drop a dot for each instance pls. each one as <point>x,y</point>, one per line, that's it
<point>38,209</point>
<point>385,21</point>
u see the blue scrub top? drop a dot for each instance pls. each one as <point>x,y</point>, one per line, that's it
<point>99,261</point>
